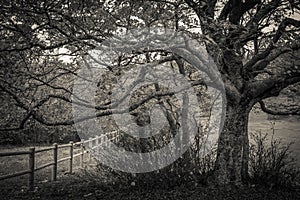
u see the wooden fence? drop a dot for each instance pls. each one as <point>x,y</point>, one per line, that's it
<point>91,143</point>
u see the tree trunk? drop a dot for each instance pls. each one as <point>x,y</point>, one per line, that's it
<point>231,166</point>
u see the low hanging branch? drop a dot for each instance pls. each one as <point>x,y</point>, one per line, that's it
<point>276,112</point>
<point>104,110</point>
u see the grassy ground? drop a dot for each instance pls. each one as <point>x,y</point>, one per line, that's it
<point>76,188</point>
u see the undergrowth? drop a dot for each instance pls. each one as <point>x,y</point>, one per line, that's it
<point>271,163</point>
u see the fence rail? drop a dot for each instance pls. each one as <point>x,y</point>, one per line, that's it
<point>91,143</point>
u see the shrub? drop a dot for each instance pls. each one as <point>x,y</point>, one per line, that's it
<point>272,165</point>
<point>188,171</point>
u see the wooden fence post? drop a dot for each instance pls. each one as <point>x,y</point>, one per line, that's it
<point>97,145</point>
<point>31,168</point>
<point>71,157</point>
<point>104,141</point>
<point>100,142</point>
<point>82,153</point>
<point>54,167</point>
<point>90,148</point>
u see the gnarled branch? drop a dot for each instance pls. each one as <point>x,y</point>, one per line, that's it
<point>276,112</point>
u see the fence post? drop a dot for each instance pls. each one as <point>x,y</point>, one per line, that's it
<point>97,145</point>
<point>90,148</point>
<point>71,158</point>
<point>54,167</point>
<point>82,153</point>
<point>109,140</point>
<point>100,142</point>
<point>31,168</point>
<point>104,141</point>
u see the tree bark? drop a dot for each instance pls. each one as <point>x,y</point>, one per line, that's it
<point>231,165</point>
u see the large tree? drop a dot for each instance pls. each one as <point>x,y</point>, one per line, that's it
<point>255,44</point>
<point>264,28</point>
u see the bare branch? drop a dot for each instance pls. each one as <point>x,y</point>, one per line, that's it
<point>272,86</point>
<point>281,29</point>
<point>266,53</point>
<point>262,64</point>
<point>235,9</point>
<point>276,112</point>
<point>263,12</point>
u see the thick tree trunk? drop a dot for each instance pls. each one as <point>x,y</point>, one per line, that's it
<point>231,166</point>
<point>245,155</point>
